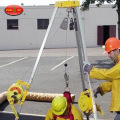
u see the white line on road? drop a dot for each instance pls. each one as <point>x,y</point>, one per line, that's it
<point>27,114</point>
<point>37,115</point>
<point>13,62</point>
<point>62,62</point>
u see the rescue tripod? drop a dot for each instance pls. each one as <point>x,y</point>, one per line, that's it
<point>86,100</point>
<point>16,93</point>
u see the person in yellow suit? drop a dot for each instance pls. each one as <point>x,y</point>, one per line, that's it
<point>63,109</point>
<point>112,75</point>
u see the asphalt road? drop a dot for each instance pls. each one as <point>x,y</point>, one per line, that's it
<point>48,78</point>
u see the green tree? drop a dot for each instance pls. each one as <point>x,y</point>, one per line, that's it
<point>86,3</point>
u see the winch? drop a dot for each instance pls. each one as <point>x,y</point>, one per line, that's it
<point>85,103</point>
<point>17,93</point>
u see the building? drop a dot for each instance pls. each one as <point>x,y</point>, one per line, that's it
<point>27,30</point>
<point>99,23</point>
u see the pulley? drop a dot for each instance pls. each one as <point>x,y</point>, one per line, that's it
<point>85,103</point>
<point>16,94</point>
<point>71,25</point>
<point>65,22</point>
<point>15,91</point>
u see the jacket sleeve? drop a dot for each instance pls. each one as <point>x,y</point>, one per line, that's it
<point>49,115</point>
<point>76,113</point>
<point>106,74</point>
<point>105,87</point>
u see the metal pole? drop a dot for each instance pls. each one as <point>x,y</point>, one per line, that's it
<point>42,46</point>
<point>79,46</point>
<point>40,51</point>
<point>84,53</point>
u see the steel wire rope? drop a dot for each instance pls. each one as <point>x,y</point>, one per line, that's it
<point>56,31</point>
<point>66,75</point>
<point>66,50</point>
<point>54,34</point>
<point>67,47</point>
<point>26,72</point>
<point>68,17</point>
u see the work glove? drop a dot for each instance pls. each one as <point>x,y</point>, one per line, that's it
<point>87,66</point>
<point>96,91</point>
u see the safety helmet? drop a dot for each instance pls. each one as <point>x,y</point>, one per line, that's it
<point>59,105</point>
<point>111,44</point>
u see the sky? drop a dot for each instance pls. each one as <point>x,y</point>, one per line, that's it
<point>29,2</point>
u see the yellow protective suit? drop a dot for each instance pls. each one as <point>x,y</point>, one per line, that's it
<point>76,113</point>
<point>113,83</point>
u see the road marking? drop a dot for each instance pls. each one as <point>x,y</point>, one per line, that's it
<point>27,114</point>
<point>13,62</point>
<point>62,62</point>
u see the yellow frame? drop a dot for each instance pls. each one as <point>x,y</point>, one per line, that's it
<point>67,4</point>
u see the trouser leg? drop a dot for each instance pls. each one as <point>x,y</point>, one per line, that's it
<point>117,117</point>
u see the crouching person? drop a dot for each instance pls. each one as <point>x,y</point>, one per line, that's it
<point>63,109</point>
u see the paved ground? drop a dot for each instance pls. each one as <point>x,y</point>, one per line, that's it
<point>49,78</point>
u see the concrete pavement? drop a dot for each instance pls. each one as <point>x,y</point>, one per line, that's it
<point>45,79</point>
<point>93,51</point>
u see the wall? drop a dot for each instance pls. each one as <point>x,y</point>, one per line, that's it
<point>29,37</point>
<point>96,16</point>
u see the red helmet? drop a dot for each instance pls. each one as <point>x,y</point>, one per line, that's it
<point>111,43</point>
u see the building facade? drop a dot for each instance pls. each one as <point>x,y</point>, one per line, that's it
<point>27,30</point>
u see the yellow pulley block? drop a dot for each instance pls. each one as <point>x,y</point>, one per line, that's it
<point>85,103</point>
<point>15,91</point>
<point>16,94</point>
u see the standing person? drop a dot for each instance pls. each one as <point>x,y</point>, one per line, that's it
<point>63,109</point>
<point>112,75</point>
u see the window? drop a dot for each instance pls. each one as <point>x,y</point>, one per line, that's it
<point>12,24</point>
<point>42,23</point>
